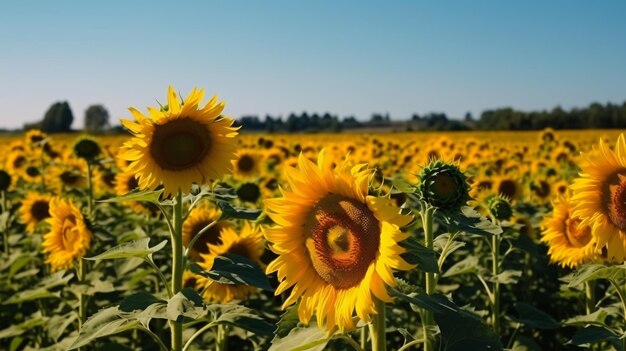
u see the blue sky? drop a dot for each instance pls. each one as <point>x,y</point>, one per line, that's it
<point>346,57</point>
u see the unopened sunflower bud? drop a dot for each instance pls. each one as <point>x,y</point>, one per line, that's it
<point>499,207</point>
<point>444,186</point>
<point>86,148</point>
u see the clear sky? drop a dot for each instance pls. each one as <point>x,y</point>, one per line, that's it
<point>276,57</point>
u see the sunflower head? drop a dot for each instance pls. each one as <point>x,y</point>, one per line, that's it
<point>5,180</point>
<point>443,186</point>
<point>69,237</point>
<point>570,240</point>
<point>34,137</point>
<point>35,208</point>
<point>86,148</point>
<point>336,244</point>
<point>199,218</point>
<point>499,207</point>
<point>180,145</point>
<point>249,192</point>
<point>248,244</point>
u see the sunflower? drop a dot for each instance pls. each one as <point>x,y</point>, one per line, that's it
<point>180,144</point>
<point>34,209</point>
<point>570,241</point>
<point>508,186</point>
<point>247,164</point>
<point>249,244</point>
<point>600,197</point>
<point>69,174</point>
<point>337,245</point>
<point>16,162</point>
<point>69,238</point>
<point>199,218</point>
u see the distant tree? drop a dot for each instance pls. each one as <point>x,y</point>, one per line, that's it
<point>469,117</point>
<point>96,119</point>
<point>58,118</point>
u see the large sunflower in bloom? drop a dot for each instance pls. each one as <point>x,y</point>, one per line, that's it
<point>69,238</point>
<point>337,245</point>
<point>180,144</point>
<point>600,197</point>
<point>249,244</point>
<point>570,242</point>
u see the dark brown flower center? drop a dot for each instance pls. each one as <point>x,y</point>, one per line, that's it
<point>180,144</point>
<point>32,171</point>
<point>210,236</point>
<point>19,161</point>
<point>245,163</point>
<point>577,235</point>
<point>542,189</point>
<point>615,199</point>
<point>40,210</point>
<point>69,177</point>
<point>132,183</point>
<point>508,188</point>
<point>240,249</point>
<point>343,239</point>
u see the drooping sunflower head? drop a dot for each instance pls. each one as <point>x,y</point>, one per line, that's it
<point>248,244</point>
<point>34,209</point>
<point>570,241</point>
<point>600,197</point>
<point>86,148</point>
<point>198,219</point>
<point>5,180</point>
<point>181,144</point>
<point>69,237</point>
<point>336,244</point>
<point>499,207</point>
<point>444,186</point>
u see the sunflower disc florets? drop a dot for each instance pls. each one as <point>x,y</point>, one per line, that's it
<point>444,186</point>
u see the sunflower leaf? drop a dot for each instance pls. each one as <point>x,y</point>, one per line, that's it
<point>424,258</point>
<point>235,269</point>
<point>469,221</point>
<point>242,317</point>
<point>596,318</point>
<point>186,303</point>
<point>596,271</point>
<point>143,196</point>
<point>108,321</point>
<point>593,334</point>
<point>228,211</point>
<point>534,317</point>
<point>139,249</point>
<point>309,338</point>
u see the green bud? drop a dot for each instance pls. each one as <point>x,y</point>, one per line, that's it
<point>444,186</point>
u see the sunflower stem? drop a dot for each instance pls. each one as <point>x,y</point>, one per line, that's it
<point>197,236</point>
<point>4,232</point>
<point>590,296</point>
<point>427,214</point>
<point>221,343</point>
<point>363,339</point>
<point>377,327</point>
<point>495,270</point>
<point>176,328</point>
<point>43,169</point>
<point>82,300</point>
<point>89,190</point>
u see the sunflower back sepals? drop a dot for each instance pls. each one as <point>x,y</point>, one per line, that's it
<point>443,186</point>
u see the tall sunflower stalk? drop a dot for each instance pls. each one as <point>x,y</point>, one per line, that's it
<point>176,146</point>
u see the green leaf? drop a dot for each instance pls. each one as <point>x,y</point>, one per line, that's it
<point>593,334</point>
<point>507,277</point>
<point>533,317</point>
<point>424,258</point>
<point>310,338</point>
<point>402,185</point>
<point>596,271</point>
<point>460,329</point>
<point>242,317</point>
<point>29,295</point>
<point>228,211</point>
<point>596,318</point>
<point>19,329</point>
<point>108,321</point>
<point>186,303</point>
<point>139,301</point>
<point>139,249</point>
<point>143,196</point>
<point>288,321</point>
<point>57,324</point>
<point>468,265</point>
<point>235,269</point>
<point>471,222</point>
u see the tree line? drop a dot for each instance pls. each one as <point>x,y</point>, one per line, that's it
<point>59,118</point>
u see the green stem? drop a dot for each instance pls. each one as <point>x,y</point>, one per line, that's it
<point>427,214</point>
<point>4,232</point>
<point>222,338</point>
<point>197,334</point>
<point>495,270</point>
<point>377,327</point>
<point>161,276</point>
<point>411,343</point>
<point>197,236</point>
<point>43,169</point>
<point>82,299</point>
<point>89,190</point>
<point>363,338</point>
<point>176,328</point>
<point>352,342</point>
<point>590,296</point>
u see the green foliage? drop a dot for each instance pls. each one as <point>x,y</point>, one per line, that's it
<point>96,119</point>
<point>58,118</point>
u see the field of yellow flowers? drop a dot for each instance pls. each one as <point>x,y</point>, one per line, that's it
<point>190,234</point>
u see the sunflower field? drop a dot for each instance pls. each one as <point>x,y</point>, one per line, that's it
<point>190,234</point>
